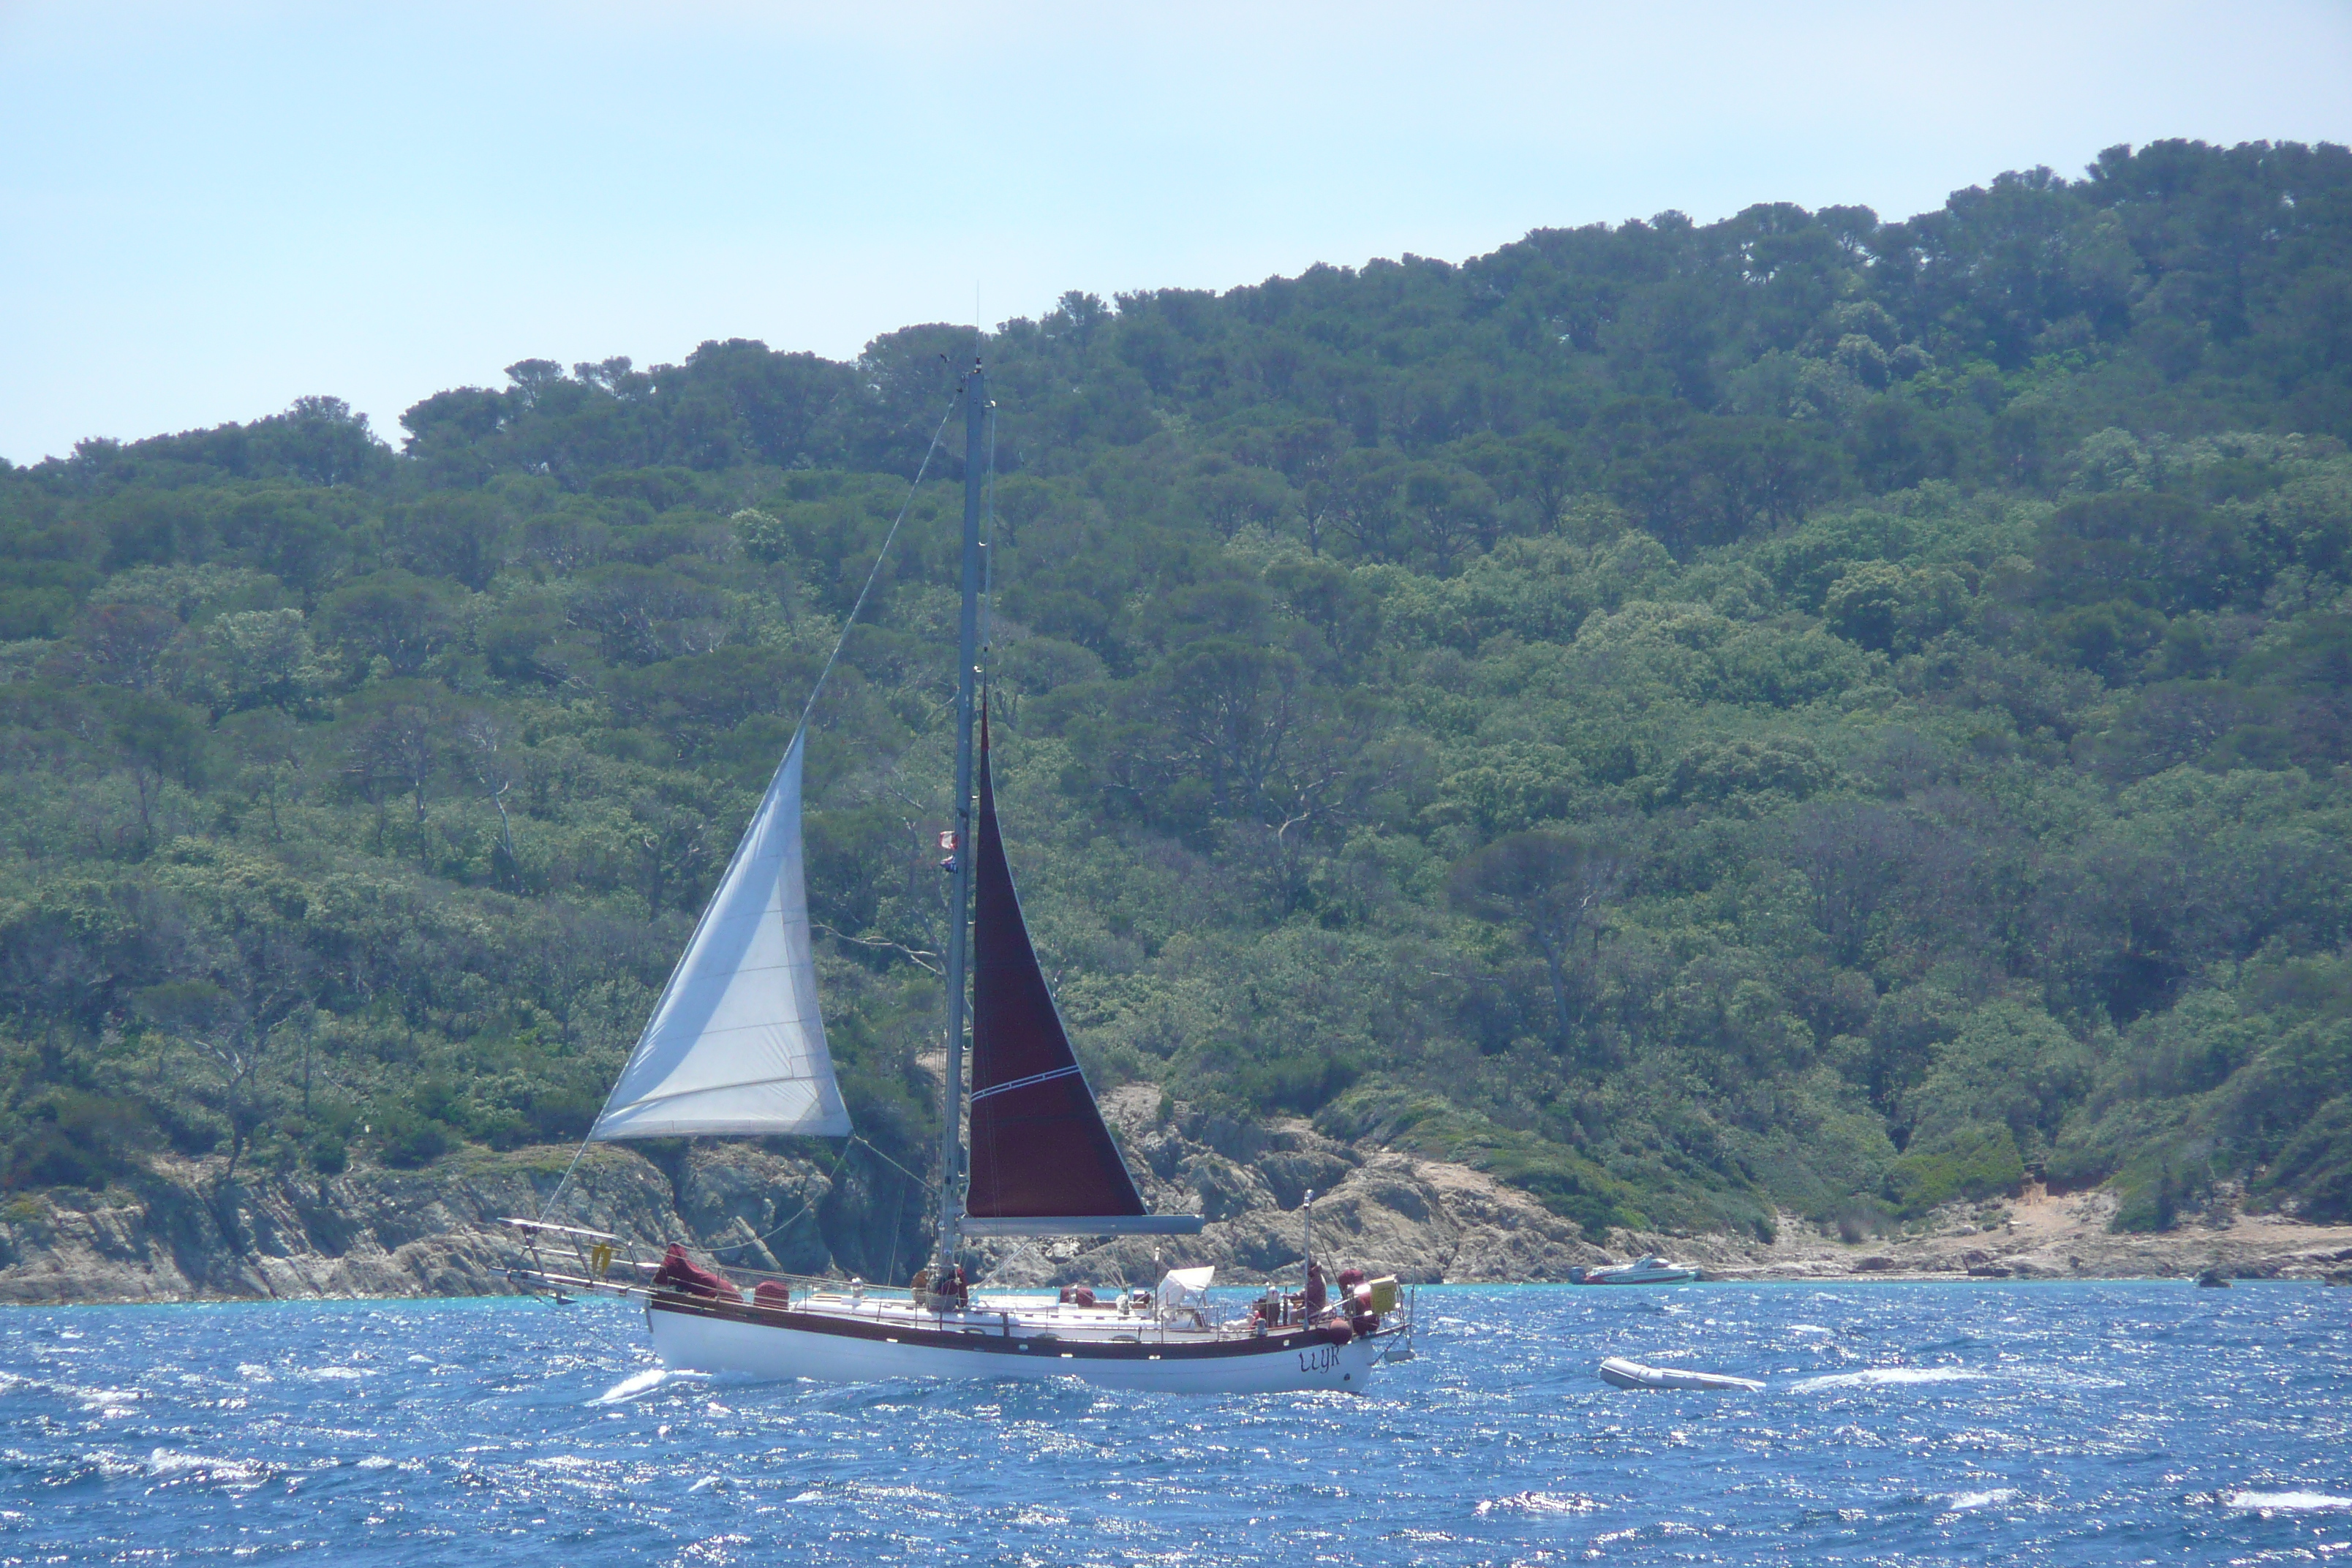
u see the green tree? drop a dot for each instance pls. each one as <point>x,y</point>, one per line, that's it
<point>394,615</point>
<point>1554,888</point>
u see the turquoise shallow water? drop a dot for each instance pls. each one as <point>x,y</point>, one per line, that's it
<point>2029,1423</point>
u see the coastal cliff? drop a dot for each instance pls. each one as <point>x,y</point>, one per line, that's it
<point>180,1230</point>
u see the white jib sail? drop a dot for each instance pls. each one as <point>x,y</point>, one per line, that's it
<point>736,1044</point>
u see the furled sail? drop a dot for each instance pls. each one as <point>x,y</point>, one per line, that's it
<point>1041,1161</point>
<point>736,1044</point>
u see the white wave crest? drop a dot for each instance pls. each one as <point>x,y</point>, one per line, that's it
<point>108,1401</point>
<point>1874,1376</point>
<point>1961,1502</point>
<point>1542,1502</point>
<point>167,1464</point>
<point>638,1382</point>
<point>2289,1502</point>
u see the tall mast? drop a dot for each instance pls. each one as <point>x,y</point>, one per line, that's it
<point>975,446</point>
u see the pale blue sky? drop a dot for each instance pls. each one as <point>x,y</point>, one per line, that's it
<point>206,211</point>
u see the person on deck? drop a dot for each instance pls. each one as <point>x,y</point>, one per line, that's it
<point>1317,1292</point>
<point>682,1274</point>
<point>1355,1301</point>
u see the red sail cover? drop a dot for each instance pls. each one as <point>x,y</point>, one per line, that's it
<point>1039,1147</point>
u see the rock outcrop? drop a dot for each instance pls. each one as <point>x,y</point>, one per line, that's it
<point>180,1231</point>
<point>1423,1220</point>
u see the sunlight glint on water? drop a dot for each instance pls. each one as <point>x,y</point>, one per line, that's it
<point>1903,1424</point>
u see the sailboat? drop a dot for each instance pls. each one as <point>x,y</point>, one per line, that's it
<point>735,1046</point>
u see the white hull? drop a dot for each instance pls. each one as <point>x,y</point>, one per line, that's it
<point>861,1348</point>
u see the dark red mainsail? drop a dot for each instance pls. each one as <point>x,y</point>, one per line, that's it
<point>1039,1148</point>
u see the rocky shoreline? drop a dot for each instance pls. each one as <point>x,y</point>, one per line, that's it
<point>179,1232</point>
<point>2036,1236</point>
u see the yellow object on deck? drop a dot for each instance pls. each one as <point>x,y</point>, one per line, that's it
<point>1384,1293</point>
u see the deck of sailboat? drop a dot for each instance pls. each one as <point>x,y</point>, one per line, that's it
<point>790,1326</point>
<point>1021,1320</point>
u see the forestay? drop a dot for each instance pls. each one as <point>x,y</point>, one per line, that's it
<point>736,1044</point>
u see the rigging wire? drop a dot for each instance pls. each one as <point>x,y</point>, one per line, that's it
<point>890,1270</point>
<point>832,1179</point>
<point>923,1181</point>
<point>873,575</point>
<point>988,550</point>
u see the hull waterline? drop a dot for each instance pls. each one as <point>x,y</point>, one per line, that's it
<point>985,1344</point>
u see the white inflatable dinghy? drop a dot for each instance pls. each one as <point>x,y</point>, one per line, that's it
<point>1651,1271</point>
<point>1626,1373</point>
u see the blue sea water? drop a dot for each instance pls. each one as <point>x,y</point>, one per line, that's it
<point>1903,1423</point>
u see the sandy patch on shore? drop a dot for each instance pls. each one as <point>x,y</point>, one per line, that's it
<point>2036,1236</point>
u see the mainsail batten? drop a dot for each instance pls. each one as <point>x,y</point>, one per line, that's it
<point>736,1045</point>
<point>1039,1147</point>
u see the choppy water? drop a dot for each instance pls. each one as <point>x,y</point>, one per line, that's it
<point>2027,1424</point>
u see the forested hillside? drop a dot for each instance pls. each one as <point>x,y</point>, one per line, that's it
<point>1802,713</point>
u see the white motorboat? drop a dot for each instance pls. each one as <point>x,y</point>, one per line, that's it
<point>1624,1374</point>
<point>736,1046</point>
<point>1650,1270</point>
